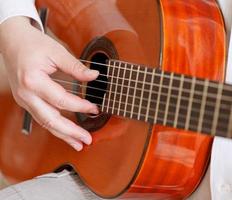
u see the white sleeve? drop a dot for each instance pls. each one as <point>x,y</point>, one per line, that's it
<point>12,8</point>
<point>221,159</point>
<point>221,165</point>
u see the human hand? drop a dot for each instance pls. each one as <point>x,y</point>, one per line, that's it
<point>30,57</point>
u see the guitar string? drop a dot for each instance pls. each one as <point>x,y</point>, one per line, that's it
<point>223,106</point>
<point>154,92</point>
<point>212,95</point>
<point>222,115</point>
<point>226,98</point>
<point>189,79</point>
<point>138,98</point>
<point>207,122</point>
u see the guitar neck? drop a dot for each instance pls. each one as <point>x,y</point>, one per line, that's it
<point>168,99</point>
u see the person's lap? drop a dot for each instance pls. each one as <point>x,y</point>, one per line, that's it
<point>53,186</point>
<point>67,185</point>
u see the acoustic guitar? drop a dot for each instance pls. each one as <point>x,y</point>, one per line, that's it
<point>153,137</point>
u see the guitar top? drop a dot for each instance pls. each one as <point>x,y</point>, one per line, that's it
<point>162,66</point>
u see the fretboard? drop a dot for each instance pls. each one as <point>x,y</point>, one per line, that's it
<point>168,99</point>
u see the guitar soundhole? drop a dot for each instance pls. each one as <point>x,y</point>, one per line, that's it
<point>98,51</point>
<point>96,89</point>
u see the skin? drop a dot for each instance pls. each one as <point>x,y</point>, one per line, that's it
<point>30,57</point>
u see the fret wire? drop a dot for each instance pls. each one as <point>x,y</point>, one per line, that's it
<point>178,101</point>
<point>208,122</point>
<point>202,109</point>
<point>158,99</point>
<point>116,87</point>
<point>104,97</point>
<point>183,98</point>
<point>150,92</point>
<point>121,91</point>
<point>124,114</point>
<point>213,83</point>
<point>196,110</point>
<point>182,124</point>
<point>217,107</point>
<point>168,99</point>
<point>229,134</point>
<point>184,90</point>
<point>109,93</point>
<point>142,93</point>
<point>167,75</point>
<point>190,103</point>
<point>207,129</point>
<point>134,94</point>
<point>174,88</point>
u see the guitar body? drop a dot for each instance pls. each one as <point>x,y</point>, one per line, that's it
<point>128,157</point>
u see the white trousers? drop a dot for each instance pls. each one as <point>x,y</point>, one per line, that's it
<point>67,186</point>
<point>53,186</point>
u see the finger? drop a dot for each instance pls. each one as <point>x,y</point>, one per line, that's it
<point>70,65</point>
<point>73,131</point>
<point>75,144</point>
<point>49,118</point>
<point>57,96</point>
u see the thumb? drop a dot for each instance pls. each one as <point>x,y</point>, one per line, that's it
<point>72,66</point>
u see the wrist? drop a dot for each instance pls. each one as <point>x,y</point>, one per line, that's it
<point>12,30</point>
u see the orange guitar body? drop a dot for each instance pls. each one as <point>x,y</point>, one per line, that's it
<point>127,157</point>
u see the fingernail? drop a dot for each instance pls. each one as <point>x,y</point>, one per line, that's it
<point>90,72</point>
<point>95,110</point>
<point>78,146</point>
<point>86,140</point>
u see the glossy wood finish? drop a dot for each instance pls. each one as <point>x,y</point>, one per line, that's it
<point>175,160</point>
<point>103,162</point>
<point>194,45</point>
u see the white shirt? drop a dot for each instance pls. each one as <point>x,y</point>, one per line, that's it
<point>221,159</point>
<point>11,8</point>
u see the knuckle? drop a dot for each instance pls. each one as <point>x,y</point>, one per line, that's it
<point>74,68</point>
<point>19,96</point>
<point>77,68</point>
<point>77,135</point>
<point>73,135</point>
<point>57,134</point>
<point>48,124</point>
<point>27,80</point>
<point>60,102</point>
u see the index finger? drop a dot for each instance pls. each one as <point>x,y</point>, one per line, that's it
<point>67,63</point>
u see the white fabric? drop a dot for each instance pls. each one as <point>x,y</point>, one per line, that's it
<point>53,186</point>
<point>221,166</point>
<point>221,162</point>
<point>229,66</point>
<point>11,8</point>
<point>226,6</point>
<point>221,158</point>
